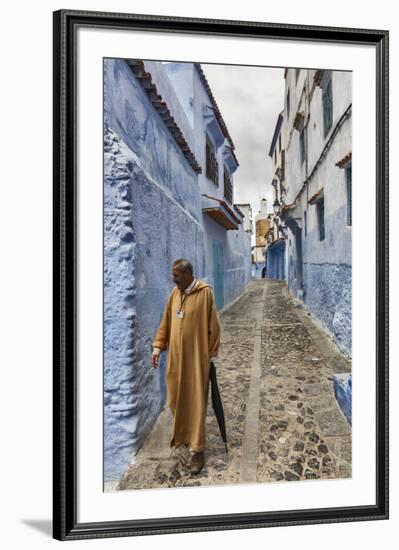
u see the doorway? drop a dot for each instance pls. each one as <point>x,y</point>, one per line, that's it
<point>218,273</point>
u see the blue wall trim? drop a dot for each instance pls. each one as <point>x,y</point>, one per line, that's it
<point>343,393</point>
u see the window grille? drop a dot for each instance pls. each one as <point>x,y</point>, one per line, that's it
<point>327,107</point>
<point>212,168</point>
<point>228,188</point>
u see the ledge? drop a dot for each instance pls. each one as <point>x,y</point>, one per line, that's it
<point>344,161</point>
<point>229,158</point>
<point>220,212</point>
<point>316,197</point>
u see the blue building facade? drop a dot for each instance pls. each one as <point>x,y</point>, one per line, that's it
<point>155,211</point>
<point>227,245</point>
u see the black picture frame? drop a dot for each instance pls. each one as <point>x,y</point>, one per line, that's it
<point>65,525</point>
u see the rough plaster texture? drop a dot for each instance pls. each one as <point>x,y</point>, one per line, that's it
<point>151,211</point>
<point>327,278</point>
<point>129,112</point>
<point>328,297</point>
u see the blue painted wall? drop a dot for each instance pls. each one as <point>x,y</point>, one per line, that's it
<point>327,278</point>
<point>343,393</point>
<point>326,265</point>
<point>328,296</point>
<point>236,258</point>
<point>236,243</point>
<point>152,216</point>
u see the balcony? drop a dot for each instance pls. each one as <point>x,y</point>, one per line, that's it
<point>220,212</point>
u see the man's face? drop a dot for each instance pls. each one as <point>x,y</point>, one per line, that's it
<point>181,278</point>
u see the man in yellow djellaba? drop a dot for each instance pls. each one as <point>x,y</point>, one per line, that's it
<point>190,332</point>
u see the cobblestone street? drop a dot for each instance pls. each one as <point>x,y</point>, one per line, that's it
<point>275,373</point>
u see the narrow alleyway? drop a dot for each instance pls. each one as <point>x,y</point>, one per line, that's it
<point>275,371</point>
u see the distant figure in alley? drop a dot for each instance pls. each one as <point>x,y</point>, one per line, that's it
<point>190,332</point>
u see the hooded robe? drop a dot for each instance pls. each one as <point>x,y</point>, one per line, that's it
<point>191,341</point>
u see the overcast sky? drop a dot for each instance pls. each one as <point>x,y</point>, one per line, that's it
<point>249,99</point>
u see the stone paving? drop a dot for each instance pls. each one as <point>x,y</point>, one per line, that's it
<point>275,374</point>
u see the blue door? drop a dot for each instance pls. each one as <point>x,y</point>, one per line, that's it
<point>218,269</point>
<point>281,255</point>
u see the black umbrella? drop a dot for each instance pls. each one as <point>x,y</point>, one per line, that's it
<point>217,404</point>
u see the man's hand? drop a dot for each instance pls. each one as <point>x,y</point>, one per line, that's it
<point>155,357</point>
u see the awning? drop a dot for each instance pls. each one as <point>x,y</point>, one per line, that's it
<point>229,157</point>
<point>212,125</point>
<point>220,212</point>
<point>287,207</point>
<point>299,121</point>
<point>316,197</point>
<point>344,161</point>
<point>237,209</point>
<point>322,77</point>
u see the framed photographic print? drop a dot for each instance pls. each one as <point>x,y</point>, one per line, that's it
<point>220,274</point>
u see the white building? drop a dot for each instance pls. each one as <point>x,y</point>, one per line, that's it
<point>261,230</point>
<point>246,209</point>
<point>317,201</point>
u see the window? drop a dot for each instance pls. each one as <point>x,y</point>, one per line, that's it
<point>327,107</point>
<point>288,104</point>
<point>302,145</point>
<point>212,168</point>
<point>279,142</point>
<point>320,218</point>
<point>297,71</point>
<point>305,221</point>
<point>275,156</point>
<point>348,175</point>
<point>228,188</point>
